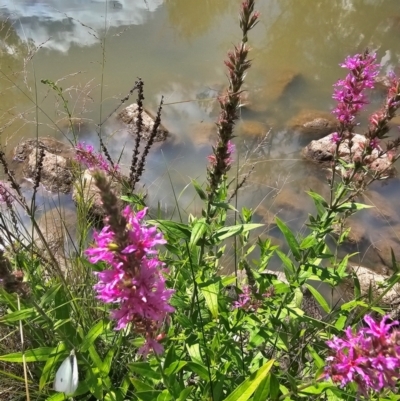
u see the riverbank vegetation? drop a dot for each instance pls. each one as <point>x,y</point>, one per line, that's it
<point>145,302</point>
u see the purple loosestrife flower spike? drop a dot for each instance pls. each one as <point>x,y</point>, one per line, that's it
<point>249,301</point>
<point>369,358</point>
<point>86,155</point>
<point>350,92</point>
<point>237,65</point>
<point>135,279</point>
<point>379,121</point>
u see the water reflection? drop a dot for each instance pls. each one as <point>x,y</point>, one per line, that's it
<point>60,24</point>
<point>191,18</point>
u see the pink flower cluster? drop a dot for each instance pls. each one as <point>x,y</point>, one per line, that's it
<point>135,279</point>
<point>369,358</point>
<point>231,148</point>
<point>247,301</point>
<point>350,92</point>
<point>86,155</point>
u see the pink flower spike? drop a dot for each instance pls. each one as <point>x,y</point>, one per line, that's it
<point>350,92</point>
<point>135,279</point>
<point>86,155</point>
<point>335,138</point>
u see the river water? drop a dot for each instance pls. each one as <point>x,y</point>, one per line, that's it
<point>95,50</point>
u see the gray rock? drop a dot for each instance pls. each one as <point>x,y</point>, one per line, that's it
<point>56,175</point>
<point>322,151</point>
<point>129,117</point>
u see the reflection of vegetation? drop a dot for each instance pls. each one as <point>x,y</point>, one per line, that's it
<point>194,17</point>
<point>13,50</point>
<point>306,32</point>
<point>14,53</point>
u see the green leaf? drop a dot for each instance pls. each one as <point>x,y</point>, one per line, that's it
<point>140,385</point>
<point>50,295</point>
<point>93,333</point>
<point>318,198</point>
<point>170,357</point>
<point>31,355</point>
<point>198,231</point>
<point>262,391</point>
<point>113,396</point>
<point>175,367</point>
<point>95,357</point>
<point>298,298</point>
<point>341,269</point>
<point>288,264</point>
<point>320,299</point>
<point>172,228</point>
<point>317,388</point>
<point>107,362</point>
<point>274,387</point>
<point>165,396</point>
<point>225,206</point>
<point>210,293</point>
<point>144,369</point>
<point>19,315</point>
<point>250,385</point>
<point>147,395</point>
<point>184,393</point>
<point>290,238</point>
<point>199,190</point>
<point>227,232</point>
<point>319,362</point>
<point>199,369</point>
<point>12,376</point>
<point>50,364</point>
<point>194,352</point>
<point>308,242</point>
<point>353,206</point>
<point>340,323</point>
<point>56,397</point>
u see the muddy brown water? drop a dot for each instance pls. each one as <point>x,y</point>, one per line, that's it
<point>95,50</point>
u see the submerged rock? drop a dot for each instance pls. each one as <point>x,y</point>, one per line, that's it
<point>313,122</point>
<point>252,129</point>
<point>56,174</point>
<point>129,117</point>
<point>203,134</point>
<point>260,99</point>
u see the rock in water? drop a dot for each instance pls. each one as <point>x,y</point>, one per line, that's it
<point>129,117</point>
